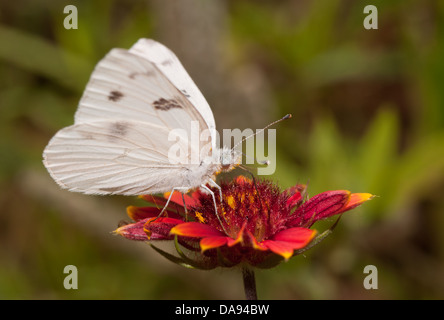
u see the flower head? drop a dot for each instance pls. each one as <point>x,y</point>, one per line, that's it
<point>256,223</point>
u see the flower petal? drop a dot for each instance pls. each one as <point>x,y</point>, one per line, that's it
<point>319,207</point>
<point>253,241</point>
<point>158,201</point>
<point>296,195</point>
<point>356,199</point>
<point>133,231</point>
<point>196,230</point>
<point>299,237</point>
<point>239,238</point>
<point>282,248</point>
<point>294,200</point>
<point>177,198</point>
<point>160,228</point>
<point>285,242</point>
<point>213,242</point>
<point>139,213</point>
<point>242,180</point>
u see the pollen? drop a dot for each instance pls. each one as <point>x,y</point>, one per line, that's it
<point>200,217</point>
<point>231,202</point>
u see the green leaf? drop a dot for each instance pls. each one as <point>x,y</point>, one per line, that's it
<point>190,262</point>
<point>171,257</point>
<point>423,167</point>
<point>377,154</point>
<point>318,239</point>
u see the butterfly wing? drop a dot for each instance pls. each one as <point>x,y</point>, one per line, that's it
<point>119,141</point>
<point>115,157</point>
<point>126,86</point>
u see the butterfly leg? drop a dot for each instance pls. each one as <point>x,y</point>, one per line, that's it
<point>218,187</point>
<point>184,190</point>
<point>215,206</point>
<point>220,191</point>
<point>185,206</point>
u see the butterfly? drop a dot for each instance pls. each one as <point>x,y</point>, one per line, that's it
<point>120,141</point>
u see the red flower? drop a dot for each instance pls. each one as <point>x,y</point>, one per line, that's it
<point>260,226</point>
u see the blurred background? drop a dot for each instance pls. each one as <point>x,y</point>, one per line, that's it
<point>368,116</point>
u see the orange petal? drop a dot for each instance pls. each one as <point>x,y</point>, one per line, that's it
<point>196,230</point>
<point>285,242</point>
<point>256,245</point>
<point>177,198</point>
<point>297,237</point>
<point>281,248</point>
<point>212,242</point>
<point>218,241</point>
<point>357,199</point>
<point>240,237</point>
<point>242,179</point>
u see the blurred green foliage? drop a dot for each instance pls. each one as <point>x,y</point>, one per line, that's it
<point>368,116</point>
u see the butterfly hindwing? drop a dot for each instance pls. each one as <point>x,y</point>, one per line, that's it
<point>115,157</point>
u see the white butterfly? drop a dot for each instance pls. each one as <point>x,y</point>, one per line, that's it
<point>119,141</point>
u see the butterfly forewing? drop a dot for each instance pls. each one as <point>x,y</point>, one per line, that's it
<point>126,86</point>
<point>167,62</point>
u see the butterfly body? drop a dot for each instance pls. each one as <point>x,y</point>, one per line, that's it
<point>208,168</point>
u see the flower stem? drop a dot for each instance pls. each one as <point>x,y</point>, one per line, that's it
<point>249,283</point>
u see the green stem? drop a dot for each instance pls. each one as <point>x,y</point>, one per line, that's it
<point>249,283</point>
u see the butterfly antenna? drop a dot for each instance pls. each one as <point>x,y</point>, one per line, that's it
<point>287,116</point>
<point>248,171</point>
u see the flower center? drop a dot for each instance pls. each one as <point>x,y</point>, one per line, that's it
<point>249,206</point>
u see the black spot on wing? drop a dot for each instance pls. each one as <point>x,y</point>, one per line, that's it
<point>119,128</point>
<point>115,95</point>
<point>165,105</point>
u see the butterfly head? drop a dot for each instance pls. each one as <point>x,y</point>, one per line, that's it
<point>229,159</point>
